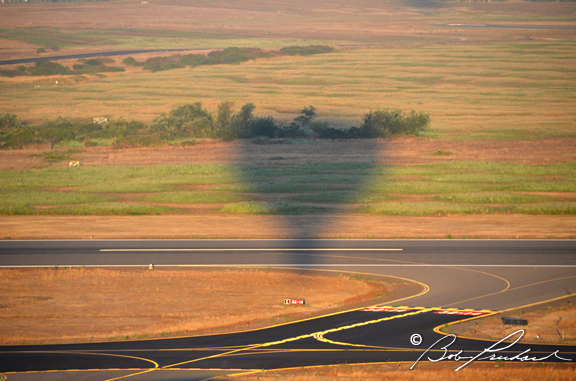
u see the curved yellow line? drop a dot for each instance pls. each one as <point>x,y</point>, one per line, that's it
<point>411,262</point>
<point>544,281</point>
<point>213,356</point>
<point>425,287</point>
<point>481,296</point>
<point>130,375</point>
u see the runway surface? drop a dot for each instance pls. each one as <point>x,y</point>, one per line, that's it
<point>460,279</point>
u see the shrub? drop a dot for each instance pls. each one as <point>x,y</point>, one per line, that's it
<point>306,50</point>
<point>9,73</point>
<point>57,130</point>
<point>21,137</point>
<point>188,143</point>
<point>263,126</point>
<point>162,63</point>
<point>111,69</point>
<point>382,124</point>
<point>293,131</point>
<point>9,122</point>
<point>130,61</point>
<point>239,125</point>
<point>186,120</point>
<point>40,50</point>
<point>318,127</point>
<point>235,55</point>
<point>334,133</point>
<point>94,62</point>
<point>48,68</point>
<point>223,116</point>
<point>307,115</point>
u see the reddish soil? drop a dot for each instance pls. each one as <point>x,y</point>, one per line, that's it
<point>404,151</point>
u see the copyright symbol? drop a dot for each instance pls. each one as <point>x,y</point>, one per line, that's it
<point>415,339</point>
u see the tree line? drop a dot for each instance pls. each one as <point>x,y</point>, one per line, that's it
<point>154,64</point>
<point>218,57</point>
<point>192,121</point>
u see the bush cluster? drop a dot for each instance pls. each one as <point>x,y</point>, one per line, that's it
<point>14,134</point>
<point>154,64</point>
<point>381,124</point>
<point>193,121</point>
<point>306,50</point>
<point>226,56</point>
<point>217,57</point>
<point>40,68</point>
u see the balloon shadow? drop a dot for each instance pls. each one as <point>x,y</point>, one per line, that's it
<point>306,186</point>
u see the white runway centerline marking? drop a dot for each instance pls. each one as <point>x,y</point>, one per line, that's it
<point>267,249</point>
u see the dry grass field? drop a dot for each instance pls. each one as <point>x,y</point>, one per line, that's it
<point>476,83</point>
<point>122,25</point>
<point>553,325</point>
<point>473,92</point>
<point>423,372</point>
<point>69,305</point>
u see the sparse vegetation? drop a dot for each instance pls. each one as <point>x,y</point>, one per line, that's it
<point>306,50</point>
<point>47,68</point>
<point>44,305</point>
<point>193,121</point>
<point>424,372</point>
<point>455,188</point>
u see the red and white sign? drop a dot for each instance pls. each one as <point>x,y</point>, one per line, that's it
<point>294,301</point>
<point>463,313</point>
<point>386,310</point>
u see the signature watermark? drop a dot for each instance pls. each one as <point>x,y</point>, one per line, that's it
<point>490,353</point>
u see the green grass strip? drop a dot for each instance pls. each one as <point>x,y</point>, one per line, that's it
<point>280,208</point>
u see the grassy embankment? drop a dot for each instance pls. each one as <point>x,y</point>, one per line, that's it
<point>426,189</point>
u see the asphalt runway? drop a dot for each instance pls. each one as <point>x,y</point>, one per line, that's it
<point>459,279</point>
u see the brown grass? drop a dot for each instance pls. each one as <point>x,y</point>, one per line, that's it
<point>255,226</point>
<point>65,305</point>
<point>423,372</point>
<point>404,151</point>
<point>554,325</point>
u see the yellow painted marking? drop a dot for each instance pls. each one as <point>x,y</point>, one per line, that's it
<point>316,335</point>
<point>450,267</point>
<point>320,335</point>
<point>483,296</point>
<point>516,288</point>
<point>213,356</point>
<point>492,313</point>
<point>130,375</point>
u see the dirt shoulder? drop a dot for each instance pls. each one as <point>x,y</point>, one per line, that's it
<point>401,151</point>
<point>425,371</point>
<point>248,226</point>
